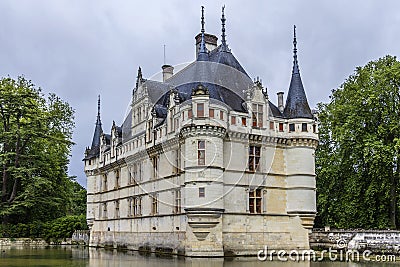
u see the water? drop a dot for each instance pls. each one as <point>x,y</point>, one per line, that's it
<point>78,256</point>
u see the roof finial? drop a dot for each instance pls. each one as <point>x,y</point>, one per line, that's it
<point>98,108</point>
<point>223,26</point>
<point>203,55</point>
<point>295,62</point>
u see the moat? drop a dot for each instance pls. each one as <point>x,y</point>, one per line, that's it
<point>79,256</point>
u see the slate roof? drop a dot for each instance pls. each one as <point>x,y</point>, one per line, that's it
<point>296,101</point>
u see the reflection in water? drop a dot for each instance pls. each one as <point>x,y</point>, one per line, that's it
<point>72,256</point>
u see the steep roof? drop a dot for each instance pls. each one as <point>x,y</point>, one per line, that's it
<point>95,147</point>
<point>296,101</point>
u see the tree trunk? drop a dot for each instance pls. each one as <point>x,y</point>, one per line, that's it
<point>393,200</point>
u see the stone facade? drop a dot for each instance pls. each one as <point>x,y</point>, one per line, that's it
<point>213,171</point>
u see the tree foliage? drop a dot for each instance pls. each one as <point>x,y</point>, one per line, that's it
<point>35,143</point>
<point>358,159</point>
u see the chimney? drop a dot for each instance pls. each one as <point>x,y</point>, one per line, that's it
<point>167,72</point>
<point>280,101</point>
<point>211,42</point>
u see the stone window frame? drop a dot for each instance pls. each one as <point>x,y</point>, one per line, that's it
<point>254,159</point>
<point>257,115</point>
<point>154,204</point>
<point>201,152</point>
<point>200,110</point>
<point>211,112</point>
<point>177,201</point>
<point>255,200</point>
<point>116,203</point>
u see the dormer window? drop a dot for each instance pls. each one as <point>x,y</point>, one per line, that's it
<point>200,110</point>
<point>257,114</point>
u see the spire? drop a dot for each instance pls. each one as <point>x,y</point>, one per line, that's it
<point>224,46</point>
<point>203,54</point>
<point>296,101</point>
<point>97,130</point>
<point>139,77</point>
<point>295,62</point>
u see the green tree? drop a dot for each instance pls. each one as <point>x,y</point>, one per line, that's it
<point>358,159</point>
<point>35,142</point>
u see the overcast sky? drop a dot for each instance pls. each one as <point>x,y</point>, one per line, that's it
<point>79,49</point>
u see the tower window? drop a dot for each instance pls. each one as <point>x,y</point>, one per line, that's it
<point>233,120</point>
<point>177,208</point>
<point>257,114</point>
<point>254,158</point>
<point>271,125</point>
<point>211,112</point>
<point>105,210</point>
<point>281,127</point>
<point>117,179</point>
<point>190,114</point>
<point>244,122</point>
<point>304,127</point>
<point>291,127</point>
<point>202,192</point>
<point>255,200</point>
<point>117,209</point>
<point>200,110</point>
<point>221,114</point>
<point>154,204</point>
<point>201,152</point>
<point>314,128</point>
<point>137,206</point>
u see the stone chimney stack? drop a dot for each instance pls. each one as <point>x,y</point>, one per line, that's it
<point>211,42</point>
<point>280,101</point>
<point>167,72</point>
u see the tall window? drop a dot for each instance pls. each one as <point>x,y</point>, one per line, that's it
<point>201,152</point>
<point>137,206</point>
<point>177,207</point>
<point>155,162</point>
<point>154,204</point>
<point>211,112</point>
<point>116,209</point>
<point>190,114</point>
<point>257,115</point>
<point>130,201</point>
<point>221,114</point>
<point>271,125</point>
<point>200,110</point>
<point>117,179</point>
<point>254,158</point>
<point>255,200</point>
<point>291,127</point>
<point>105,210</point>
<point>104,182</point>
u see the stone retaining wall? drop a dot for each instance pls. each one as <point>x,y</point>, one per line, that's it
<point>380,241</point>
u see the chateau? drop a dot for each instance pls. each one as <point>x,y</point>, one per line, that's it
<point>205,164</point>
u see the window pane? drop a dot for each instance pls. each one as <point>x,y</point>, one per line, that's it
<point>281,127</point>
<point>271,125</point>
<point>258,205</point>
<point>211,111</point>
<point>291,127</point>
<point>233,120</point>
<point>190,113</point>
<point>257,150</point>
<point>304,127</point>
<point>201,145</point>
<point>200,110</point>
